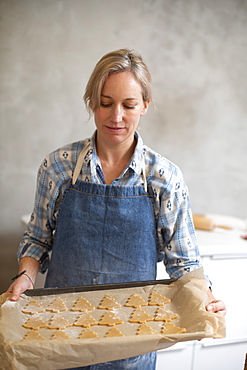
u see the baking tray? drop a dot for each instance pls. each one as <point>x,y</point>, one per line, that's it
<point>188,298</point>
<point>86,288</point>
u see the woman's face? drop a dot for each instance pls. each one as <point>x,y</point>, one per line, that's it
<point>120,109</point>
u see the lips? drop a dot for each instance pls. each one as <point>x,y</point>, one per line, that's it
<point>114,129</point>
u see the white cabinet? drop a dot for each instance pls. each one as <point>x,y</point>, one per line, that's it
<point>208,354</point>
<point>229,276</point>
<point>219,354</point>
<point>177,357</point>
<point>228,273</point>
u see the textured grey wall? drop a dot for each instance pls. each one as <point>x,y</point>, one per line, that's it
<point>197,53</point>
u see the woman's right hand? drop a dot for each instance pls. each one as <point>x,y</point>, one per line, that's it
<point>19,286</point>
<point>26,280</point>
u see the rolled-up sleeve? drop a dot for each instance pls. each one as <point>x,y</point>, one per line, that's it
<point>37,240</point>
<point>54,176</point>
<point>175,227</point>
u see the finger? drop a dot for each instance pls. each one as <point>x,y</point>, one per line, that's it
<point>216,307</point>
<point>15,294</point>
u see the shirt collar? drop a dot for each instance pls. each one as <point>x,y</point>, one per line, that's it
<point>135,162</point>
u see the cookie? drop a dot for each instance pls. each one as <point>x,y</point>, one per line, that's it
<point>57,305</point>
<point>60,334</point>
<point>59,322</point>
<point>110,319</point>
<point>108,303</point>
<point>145,329</point>
<point>35,323</point>
<point>88,333</point>
<point>169,328</point>
<point>82,304</point>
<point>157,299</point>
<point>114,332</point>
<point>163,314</point>
<point>33,307</point>
<point>85,320</point>
<point>135,300</point>
<point>33,335</point>
<point>140,316</point>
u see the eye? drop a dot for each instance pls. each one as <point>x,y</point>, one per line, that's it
<point>105,105</point>
<point>129,106</point>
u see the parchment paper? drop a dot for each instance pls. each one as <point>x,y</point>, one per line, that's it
<point>188,299</point>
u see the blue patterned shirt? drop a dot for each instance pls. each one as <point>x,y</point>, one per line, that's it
<point>176,238</point>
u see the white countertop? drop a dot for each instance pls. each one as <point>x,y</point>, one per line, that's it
<point>223,241</point>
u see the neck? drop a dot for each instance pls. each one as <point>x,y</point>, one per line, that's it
<point>114,158</point>
<point>115,153</point>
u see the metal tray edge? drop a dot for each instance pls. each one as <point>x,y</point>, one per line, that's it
<point>86,288</point>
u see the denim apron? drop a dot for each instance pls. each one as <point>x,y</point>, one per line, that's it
<point>105,234</point>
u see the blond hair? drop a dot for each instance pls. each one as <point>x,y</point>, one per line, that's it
<point>121,60</point>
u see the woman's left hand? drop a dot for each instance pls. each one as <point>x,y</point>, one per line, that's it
<point>216,306</point>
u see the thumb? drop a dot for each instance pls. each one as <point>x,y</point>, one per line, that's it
<point>15,292</point>
<point>210,307</point>
<point>15,295</point>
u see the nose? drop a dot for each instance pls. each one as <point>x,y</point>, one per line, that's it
<point>116,114</point>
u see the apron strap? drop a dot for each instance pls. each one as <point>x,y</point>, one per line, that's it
<point>80,162</point>
<point>144,174</point>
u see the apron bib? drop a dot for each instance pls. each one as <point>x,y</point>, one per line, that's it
<point>105,234</point>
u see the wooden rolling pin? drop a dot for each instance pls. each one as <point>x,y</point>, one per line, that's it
<point>202,222</point>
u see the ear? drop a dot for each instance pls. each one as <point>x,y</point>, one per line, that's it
<point>145,107</point>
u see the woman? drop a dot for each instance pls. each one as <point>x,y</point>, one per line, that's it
<point>109,207</point>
